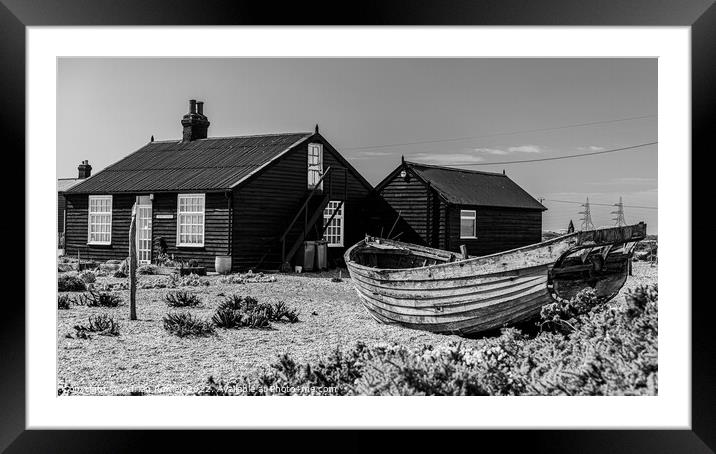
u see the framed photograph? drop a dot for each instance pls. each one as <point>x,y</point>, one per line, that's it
<point>296,220</point>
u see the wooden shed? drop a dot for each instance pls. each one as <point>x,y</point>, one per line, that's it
<point>449,207</point>
<point>63,184</point>
<point>253,198</point>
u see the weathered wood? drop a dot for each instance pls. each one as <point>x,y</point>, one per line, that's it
<point>481,293</point>
<point>133,265</point>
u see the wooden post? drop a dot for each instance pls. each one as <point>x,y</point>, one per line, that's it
<point>463,251</point>
<point>133,265</point>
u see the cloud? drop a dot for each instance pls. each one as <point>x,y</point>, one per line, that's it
<point>525,149</point>
<point>591,148</point>
<point>510,150</point>
<point>369,154</point>
<point>445,158</point>
<point>491,151</point>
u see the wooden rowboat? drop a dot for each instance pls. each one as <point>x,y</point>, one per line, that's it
<point>445,292</point>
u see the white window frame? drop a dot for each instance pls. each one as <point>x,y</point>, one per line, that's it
<point>340,216</point>
<point>203,220</point>
<point>90,216</point>
<point>471,215</point>
<point>319,147</point>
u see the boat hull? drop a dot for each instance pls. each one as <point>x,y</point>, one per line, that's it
<point>467,296</point>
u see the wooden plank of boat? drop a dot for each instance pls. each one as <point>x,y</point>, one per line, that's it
<point>460,309</point>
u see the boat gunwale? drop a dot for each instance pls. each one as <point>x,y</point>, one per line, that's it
<point>350,262</point>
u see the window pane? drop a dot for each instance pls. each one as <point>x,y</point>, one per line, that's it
<point>467,227</point>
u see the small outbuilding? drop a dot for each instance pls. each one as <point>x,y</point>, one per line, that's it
<point>84,170</point>
<point>449,207</point>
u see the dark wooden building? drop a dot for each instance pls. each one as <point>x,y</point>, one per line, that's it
<point>253,198</point>
<point>448,207</point>
<point>63,184</point>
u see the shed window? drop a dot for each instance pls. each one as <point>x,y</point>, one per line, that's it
<point>468,224</point>
<point>315,165</point>
<point>334,232</point>
<point>99,230</point>
<point>190,220</point>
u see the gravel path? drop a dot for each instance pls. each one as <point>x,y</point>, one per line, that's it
<point>145,357</point>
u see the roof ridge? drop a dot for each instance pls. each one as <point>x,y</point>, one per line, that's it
<point>455,169</point>
<point>304,133</point>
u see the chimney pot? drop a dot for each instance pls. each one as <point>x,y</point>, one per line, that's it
<point>200,107</point>
<point>194,126</point>
<point>84,170</point>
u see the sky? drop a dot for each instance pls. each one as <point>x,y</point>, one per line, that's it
<point>465,113</point>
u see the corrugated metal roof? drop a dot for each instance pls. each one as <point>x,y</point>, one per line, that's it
<point>470,187</point>
<point>199,165</point>
<point>64,184</point>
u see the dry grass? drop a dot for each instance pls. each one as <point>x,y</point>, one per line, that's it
<point>146,356</point>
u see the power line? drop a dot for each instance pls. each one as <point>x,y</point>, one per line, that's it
<point>601,204</point>
<point>613,150</point>
<point>508,133</point>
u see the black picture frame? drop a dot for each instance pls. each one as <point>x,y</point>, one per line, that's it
<point>16,15</point>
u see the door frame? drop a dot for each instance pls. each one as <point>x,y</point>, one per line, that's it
<point>146,203</point>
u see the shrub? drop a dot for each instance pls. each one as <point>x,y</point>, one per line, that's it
<point>88,277</point>
<point>190,280</point>
<point>147,270</point>
<point>101,324</point>
<point>185,324</point>
<point>182,299</point>
<point>279,310</point>
<point>227,318</point>
<point>99,299</point>
<point>64,301</point>
<point>563,315</point>
<point>123,270</point>
<point>611,350</point>
<point>70,283</point>
<point>237,311</point>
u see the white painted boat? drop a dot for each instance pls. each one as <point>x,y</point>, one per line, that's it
<point>441,291</point>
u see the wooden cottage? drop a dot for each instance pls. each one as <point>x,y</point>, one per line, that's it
<point>252,198</point>
<point>449,207</point>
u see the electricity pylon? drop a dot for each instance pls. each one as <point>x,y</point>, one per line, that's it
<point>620,221</point>
<point>587,223</point>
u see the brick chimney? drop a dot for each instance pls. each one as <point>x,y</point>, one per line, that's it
<point>195,123</point>
<point>84,169</point>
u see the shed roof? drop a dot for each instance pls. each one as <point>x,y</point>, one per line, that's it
<point>63,184</point>
<point>216,163</point>
<point>471,187</point>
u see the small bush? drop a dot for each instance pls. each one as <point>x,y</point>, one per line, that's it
<point>237,311</point>
<point>182,299</point>
<point>185,324</point>
<point>99,299</point>
<point>101,324</point>
<point>70,283</point>
<point>227,318</point>
<point>64,302</point>
<point>562,316</point>
<point>88,277</point>
<point>280,311</point>
<point>147,270</point>
<point>123,270</point>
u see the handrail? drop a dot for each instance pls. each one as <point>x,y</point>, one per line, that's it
<point>310,195</point>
